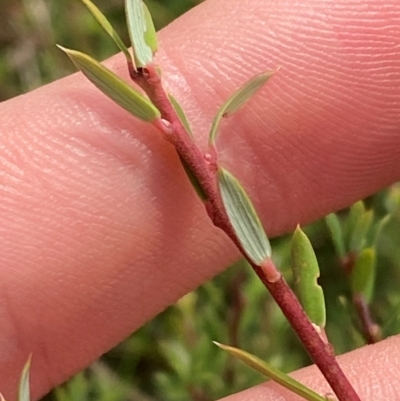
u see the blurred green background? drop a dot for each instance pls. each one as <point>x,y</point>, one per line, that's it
<point>172,357</point>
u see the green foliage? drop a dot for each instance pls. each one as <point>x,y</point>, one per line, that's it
<point>335,228</point>
<point>272,373</point>
<point>30,28</point>
<point>237,100</point>
<point>24,388</point>
<point>244,218</point>
<point>141,32</point>
<point>172,357</point>
<point>363,274</point>
<point>306,272</point>
<point>105,24</point>
<point>113,86</point>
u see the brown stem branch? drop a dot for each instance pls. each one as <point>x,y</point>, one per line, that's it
<point>370,330</point>
<point>204,169</point>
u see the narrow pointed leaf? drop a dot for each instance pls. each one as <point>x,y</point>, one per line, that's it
<point>337,235</point>
<point>103,21</point>
<point>361,230</point>
<point>377,229</point>
<point>181,114</point>
<point>356,211</point>
<point>237,100</point>
<point>150,36</point>
<point>141,32</point>
<point>273,373</point>
<point>23,389</point>
<point>113,86</point>
<point>243,218</point>
<point>306,272</point>
<point>363,274</point>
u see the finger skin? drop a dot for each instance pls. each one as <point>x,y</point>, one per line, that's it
<point>100,230</point>
<point>372,370</point>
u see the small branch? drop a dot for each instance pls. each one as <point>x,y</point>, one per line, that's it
<point>204,168</point>
<point>320,351</point>
<point>370,330</point>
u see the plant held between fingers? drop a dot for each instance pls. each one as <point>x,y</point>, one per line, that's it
<point>225,200</point>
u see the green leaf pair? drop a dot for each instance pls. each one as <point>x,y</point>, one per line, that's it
<point>144,41</point>
<point>141,31</point>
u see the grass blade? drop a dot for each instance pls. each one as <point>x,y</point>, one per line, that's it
<point>275,374</point>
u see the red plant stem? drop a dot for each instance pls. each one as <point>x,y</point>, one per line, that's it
<point>320,351</point>
<point>204,170</point>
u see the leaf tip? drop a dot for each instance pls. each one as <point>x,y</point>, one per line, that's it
<point>64,49</point>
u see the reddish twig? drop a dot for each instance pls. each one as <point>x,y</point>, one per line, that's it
<point>204,168</point>
<point>369,329</point>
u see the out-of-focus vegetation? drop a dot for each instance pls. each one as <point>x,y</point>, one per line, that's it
<point>172,357</point>
<point>30,29</point>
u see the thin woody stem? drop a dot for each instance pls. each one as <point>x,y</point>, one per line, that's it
<point>369,329</point>
<point>204,168</point>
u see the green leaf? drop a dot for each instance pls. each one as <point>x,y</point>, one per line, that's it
<point>181,114</point>
<point>361,229</point>
<point>150,36</point>
<point>237,100</point>
<point>273,373</point>
<point>306,272</point>
<point>141,32</point>
<point>113,86</point>
<point>363,274</point>
<point>23,388</point>
<point>244,218</point>
<point>103,21</point>
<point>378,227</point>
<point>337,235</point>
<point>356,211</point>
